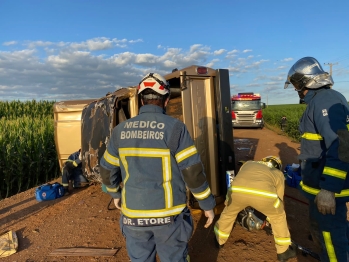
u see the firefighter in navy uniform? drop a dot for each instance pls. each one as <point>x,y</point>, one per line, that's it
<point>72,175</point>
<point>324,156</point>
<point>155,158</point>
<point>261,185</point>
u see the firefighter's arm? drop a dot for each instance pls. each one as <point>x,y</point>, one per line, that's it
<point>73,160</point>
<point>112,180</point>
<point>71,164</point>
<point>195,179</point>
<point>333,129</point>
<point>110,168</point>
<point>192,170</point>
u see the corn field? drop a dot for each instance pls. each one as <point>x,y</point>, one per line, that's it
<point>27,150</point>
<point>272,116</point>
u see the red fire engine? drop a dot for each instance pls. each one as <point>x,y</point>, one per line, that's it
<point>246,110</point>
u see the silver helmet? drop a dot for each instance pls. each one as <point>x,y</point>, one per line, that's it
<point>308,73</point>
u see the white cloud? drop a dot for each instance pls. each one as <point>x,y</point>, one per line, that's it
<point>256,64</point>
<point>212,63</point>
<point>287,59</point>
<point>34,44</point>
<point>9,43</point>
<point>247,50</point>
<point>219,52</point>
<point>74,70</point>
<point>232,52</point>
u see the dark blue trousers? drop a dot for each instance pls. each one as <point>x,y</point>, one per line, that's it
<point>170,241</point>
<point>74,175</point>
<point>330,232</point>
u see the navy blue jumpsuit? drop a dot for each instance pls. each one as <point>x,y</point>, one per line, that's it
<point>74,174</point>
<point>155,158</point>
<point>324,163</point>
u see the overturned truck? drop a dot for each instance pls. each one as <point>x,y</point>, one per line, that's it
<point>200,98</point>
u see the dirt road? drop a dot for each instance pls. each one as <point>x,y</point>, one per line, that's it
<point>83,220</point>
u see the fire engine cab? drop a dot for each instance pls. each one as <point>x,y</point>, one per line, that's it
<point>246,110</point>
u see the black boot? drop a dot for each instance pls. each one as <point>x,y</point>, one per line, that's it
<point>217,244</point>
<point>289,253</point>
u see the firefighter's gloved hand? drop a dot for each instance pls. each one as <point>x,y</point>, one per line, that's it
<point>117,203</point>
<point>210,216</point>
<point>325,201</point>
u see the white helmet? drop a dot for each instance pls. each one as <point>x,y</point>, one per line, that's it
<point>156,82</point>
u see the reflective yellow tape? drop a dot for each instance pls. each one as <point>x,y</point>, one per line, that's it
<point>200,196</point>
<point>219,233</point>
<point>112,190</point>
<point>315,191</point>
<point>184,154</point>
<point>164,154</point>
<point>252,191</point>
<point>152,213</point>
<point>329,246</point>
<point>312,136</point>
<point>277,203</point>
<point>334,172</point>
<point>111,159</point>
<point>282,241</point>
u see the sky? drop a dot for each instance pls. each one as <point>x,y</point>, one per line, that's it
<point>77,49</point>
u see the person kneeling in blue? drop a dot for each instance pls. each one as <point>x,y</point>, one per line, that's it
<point>72,176</point>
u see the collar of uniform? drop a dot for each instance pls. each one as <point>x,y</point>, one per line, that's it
<point>151,109</point>
<point>311,93</point>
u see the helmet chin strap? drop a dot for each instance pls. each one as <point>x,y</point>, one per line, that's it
<point>302,93</point>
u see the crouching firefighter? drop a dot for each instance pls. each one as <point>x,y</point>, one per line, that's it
<point>155,159</point>
<point>72,176</point>
<point>261,185</point>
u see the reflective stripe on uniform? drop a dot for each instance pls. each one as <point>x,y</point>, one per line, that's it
<point>220,233</point>
<point>164,154</point>
<point>277,203</point>
<point>334,172</point>
<point>282,241</point>
<point>312,136</point>
<point>152,213</point>
<point>200,196</point>
<point>112,189</point>
<point>184,154</point>
<point>315,191</point>
<point>255,192</point>
<point>252,191</point>
<point>348,127</point>
<point>111,159</point>
<point>329,246</point>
